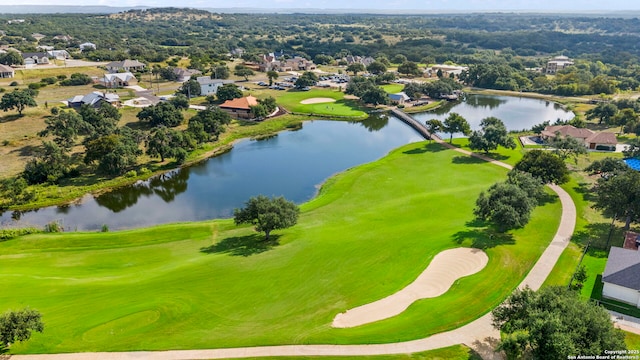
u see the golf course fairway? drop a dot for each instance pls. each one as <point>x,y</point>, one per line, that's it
<point>369,233</point>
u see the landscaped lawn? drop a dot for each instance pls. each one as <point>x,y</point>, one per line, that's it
<point>341,107</point>
<point>392,88</point>
<point>368,234</point>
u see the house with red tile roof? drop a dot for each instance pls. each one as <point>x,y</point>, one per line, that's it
<point>592,140</point>
<point>240,108</point>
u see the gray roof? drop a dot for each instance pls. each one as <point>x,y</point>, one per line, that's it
<point>94,97</point>
<point>623,268</point>
<point>206,80</point>
<point>125,64</point>
<point>6,69</point>
<point>399,96</point>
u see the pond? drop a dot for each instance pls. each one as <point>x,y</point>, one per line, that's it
<point>517,113</point>
<point>292,164</point>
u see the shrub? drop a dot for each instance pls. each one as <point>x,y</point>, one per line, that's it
<point>53,227</point>
<point>61,77</point>
<point>144,171</point>
<point>14,83</point>
<point>49,80</point>
<point>36,86</point>
<point>131,173</point>
<point>105,228</point>
<point>7,234</point>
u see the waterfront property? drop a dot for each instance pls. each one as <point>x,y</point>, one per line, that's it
<point>592,140</point>
<point>240,108</point>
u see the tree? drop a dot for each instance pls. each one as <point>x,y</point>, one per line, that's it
<point>65,127</point>
<point>228,92</point>
<point>506,205</point>
<point>180,102</point>
<point>409,68</point>
<point>493,133</point>
<point>259,111</point>
<point>241,70</point>
<point>413,90</point>
<point>165,142</point>
<point>307,79</point>
<point>269,103</point>
<point>607,167</point>
<point>355,68</point>
<point>50,165</point>
<point>190,88</point>
<point>552,323</point>
<point>267,214</point>
<point>547,167</point>
<point>376,68</point>
<point>399,59</point>
<point>604,112</point>
<point>114,153</point>
<point>212,121</point>
<point>566,146</point>
<point>11,57</point>
<point>434,126</point>
<point>455,123</point>
<point>19,100</point>
<point>76,79</point>
<point>220,72</point>
<point>161,114</point>
<point>19,325</point>
<point>532,186</point>
<point>358,85</point>
<point>375,96</point>
<point>618,196</point>
<point>272,75</point>
<point>101,121</point>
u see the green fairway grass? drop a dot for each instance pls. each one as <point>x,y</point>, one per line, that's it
<point>392,88</point>
<point>341,107</point>
<point>368,234</point>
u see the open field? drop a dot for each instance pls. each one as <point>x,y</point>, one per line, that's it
<point>370,232</point>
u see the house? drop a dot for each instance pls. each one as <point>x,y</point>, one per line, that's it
<point>185,74</point>
<point>125,66</point>
<point>592,140</point>
<point>44,48</point>
<point>399,98</point>
<point>558,63</point>
<point>446,70</point>
<point>87,46</point>
<point>38,36</point>
<point>35,58</point>
<point>6,71</point>
<point>94,99</point>
<point>58,54</point>
<point>210,86</point>
<point>241,107</point>
<point>298,63</point>
<point>605,141</point>
<point>66,38</point>
<point>237,52</point>
<point>620,278</point>
<point>118,80</point>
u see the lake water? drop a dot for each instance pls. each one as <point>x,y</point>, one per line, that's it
<point>292,164</point>
<point>516,113</point>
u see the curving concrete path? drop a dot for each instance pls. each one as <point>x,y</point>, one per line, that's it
<point>478,334</point>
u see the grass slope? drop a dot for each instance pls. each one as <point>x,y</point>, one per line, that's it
<point>370,232</point>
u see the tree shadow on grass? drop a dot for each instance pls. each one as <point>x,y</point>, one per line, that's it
<point>584,189</point>
<point>431,147</point>
<point>8,118</point>
<point>27,150</point>
<point>242,245</point>
<point>596,236</point>
<point>482,237</point>
<point>467,160</point>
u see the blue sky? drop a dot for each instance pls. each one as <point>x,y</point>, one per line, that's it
<point>425,5</point>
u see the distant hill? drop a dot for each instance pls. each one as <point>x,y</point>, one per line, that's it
<point>63,9</point>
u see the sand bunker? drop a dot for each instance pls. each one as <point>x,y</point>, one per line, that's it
<point>317,101</point>
<point>445,268</point>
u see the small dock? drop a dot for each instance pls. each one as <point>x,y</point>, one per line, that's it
<point>415,124</point>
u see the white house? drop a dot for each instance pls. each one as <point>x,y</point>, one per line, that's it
<point>210,86</point>
<point>58,54</point>
<point>620,278</point>
<point>558,63</point>
<point>35,58</point>
<point>399,98</point>
<point>94,99</point>
<point>86,46</point>
<point>118,80</point>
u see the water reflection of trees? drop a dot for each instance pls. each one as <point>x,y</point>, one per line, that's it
<point>490,102</point>
<point>167,186</point>
<point>375,122</point>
